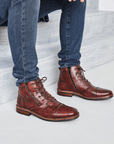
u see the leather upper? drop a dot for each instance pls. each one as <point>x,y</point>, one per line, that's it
<point>72,79</point>
<point>34,97</point>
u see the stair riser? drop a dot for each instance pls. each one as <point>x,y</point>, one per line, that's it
<point>8,89</point>
<point>92,4</point>
<point>96,24</point>
<point>49,32</point>
<point>97,56</point>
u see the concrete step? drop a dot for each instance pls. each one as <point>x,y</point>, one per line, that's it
<point>92,4</point>
<point>95,51</point>
<point>96,22</point>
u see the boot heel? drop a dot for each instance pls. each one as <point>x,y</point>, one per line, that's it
<point>64,94</point>
<point>23,112</point>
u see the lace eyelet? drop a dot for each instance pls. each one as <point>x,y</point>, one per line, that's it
<point>39,104</point>
<point>33,83</point>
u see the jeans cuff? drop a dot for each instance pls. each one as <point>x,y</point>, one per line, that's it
<point>69,65</point>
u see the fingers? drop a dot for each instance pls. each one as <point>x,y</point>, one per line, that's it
<point>81,0</point>
<point>75,0</point>
<point>71,0</point>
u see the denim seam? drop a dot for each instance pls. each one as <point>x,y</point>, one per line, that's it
<point>68,33</point>
<point>23,18</point>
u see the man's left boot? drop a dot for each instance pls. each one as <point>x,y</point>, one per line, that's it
<point>72,82</point>
<point>34,99</point>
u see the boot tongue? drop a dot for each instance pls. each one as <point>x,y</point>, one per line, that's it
<point>77,69</point>
<point>32,85</point>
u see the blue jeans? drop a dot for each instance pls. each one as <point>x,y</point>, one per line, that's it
<point>22,18</point>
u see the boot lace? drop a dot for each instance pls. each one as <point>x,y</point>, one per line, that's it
<point>40,88</point>
<point>81,76</point>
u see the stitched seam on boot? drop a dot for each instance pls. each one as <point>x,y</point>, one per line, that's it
<point>22,99</point>
<point>63,83</point>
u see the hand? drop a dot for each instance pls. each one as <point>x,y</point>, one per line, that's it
<point>75,0</point>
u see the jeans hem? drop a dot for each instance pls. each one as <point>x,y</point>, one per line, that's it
<point>69,65</point>
<point>25,81</point>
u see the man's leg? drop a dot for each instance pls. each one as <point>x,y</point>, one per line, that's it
<point>32,96</point>
<point>71,32</point>
<point>22,31</point>
<point>72,80</point>
<point>4,5</point>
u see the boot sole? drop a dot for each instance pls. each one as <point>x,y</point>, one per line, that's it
<point>70,94</point>
<point>28,113</point>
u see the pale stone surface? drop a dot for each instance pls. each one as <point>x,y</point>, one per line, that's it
<point>92,4</point>
<point>106,5</point>
<point>97,48</point>
<point>94,126</point>
<point>95,51</point>
<point>96,22</point>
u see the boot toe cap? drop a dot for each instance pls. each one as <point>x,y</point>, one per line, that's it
<point>105,93</point>
<point>66,112</point>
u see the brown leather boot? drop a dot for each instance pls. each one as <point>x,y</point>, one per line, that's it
<point>72,82</point>
<point>34,99</point>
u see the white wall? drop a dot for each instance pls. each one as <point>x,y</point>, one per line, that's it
<point>107,5</point>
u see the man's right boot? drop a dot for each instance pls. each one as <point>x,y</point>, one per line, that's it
<point>34,99</point>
